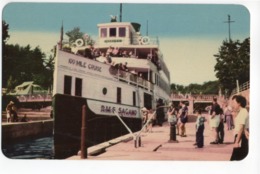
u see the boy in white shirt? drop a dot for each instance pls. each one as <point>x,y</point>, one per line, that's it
<point>240,150</point>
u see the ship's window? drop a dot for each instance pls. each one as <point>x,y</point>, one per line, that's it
<point>122,32</point>
<point>118,95</point>
<point>112,32</point>
<point>134,98</point>
<point>104,91</point>
<point>67,84</point>
<point>78,87</point>
<point>103,32</point>
<point>148,101</point>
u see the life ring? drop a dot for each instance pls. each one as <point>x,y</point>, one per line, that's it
<point>79,42</point>
<point>145,40</point>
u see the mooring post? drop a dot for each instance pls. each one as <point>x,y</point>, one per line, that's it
<point>83,134</point>
<point>139,141</point>
<point>173,134</point>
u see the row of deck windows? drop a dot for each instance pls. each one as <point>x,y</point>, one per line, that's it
<point>113,32</point>
<point>78,89</point>
<point>68,83</point>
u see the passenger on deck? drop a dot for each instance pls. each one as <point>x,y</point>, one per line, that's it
<point>120,53</point>
<point>115,52</point>
<point>124,54</point>
<point>108,59</point>
<point>96,53</point>
<point>140,79</point>
<point>149,56</point>
<point>101,58</point>
<point>109,50</point>
<point>131,55</point>
<point>124,67</point>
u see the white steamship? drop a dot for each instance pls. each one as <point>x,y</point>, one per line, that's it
<point>122,72</point>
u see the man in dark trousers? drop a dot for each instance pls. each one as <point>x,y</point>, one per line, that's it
<point>159,112</point>
<point>221,132</point>
<point>215,120</point>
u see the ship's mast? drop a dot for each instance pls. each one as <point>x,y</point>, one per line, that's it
<point>229,33</point>
<point>61,35</point>
<point>120,17</point>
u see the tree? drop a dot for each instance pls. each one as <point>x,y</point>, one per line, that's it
<point>5,34</point>
<point>77,34</point>
<point>21,64</point>
<point>74,34</point>
<point>233,63</point>
<point>210,87</point>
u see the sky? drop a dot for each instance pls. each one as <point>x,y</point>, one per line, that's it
<point>189,34</point>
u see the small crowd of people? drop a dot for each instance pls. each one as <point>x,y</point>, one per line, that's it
<point>236,118</point>
<point>107,56</point>
<point>175,115</point>
<point>11,113</point>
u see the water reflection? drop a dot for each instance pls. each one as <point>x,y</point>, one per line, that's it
<point>41,148</point>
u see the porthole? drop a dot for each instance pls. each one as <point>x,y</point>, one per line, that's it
<point>104,91</point>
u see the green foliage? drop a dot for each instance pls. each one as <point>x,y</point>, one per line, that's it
<point>233,61</point>
<point>11,83</point>
<point>5,34</point>
<point>74,34</point>
<point>211,87</point>
<point>21,64</point>
<point>77,34</point>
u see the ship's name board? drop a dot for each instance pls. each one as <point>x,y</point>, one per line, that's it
<point>82,64</point>
<point>113,41</point>
<point>120,110</point>
<point>103,108</point>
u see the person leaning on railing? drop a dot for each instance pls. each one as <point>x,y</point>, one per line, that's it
<point>240,149</point>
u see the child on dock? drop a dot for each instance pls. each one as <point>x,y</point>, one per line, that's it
<point>200,129</point>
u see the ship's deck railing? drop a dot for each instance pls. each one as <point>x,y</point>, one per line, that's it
<point>34,97</point>
<point>241,88</point>
<point>135,40</point>
<point>128,77</point>
<point>133,79</point>
<point>196,97</point>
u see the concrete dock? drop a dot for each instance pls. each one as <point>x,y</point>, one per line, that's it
<point>155,146</point>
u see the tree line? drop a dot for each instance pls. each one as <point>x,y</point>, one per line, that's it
<point>210,87</point>
<point>21,64</point>
<point>233,64</point>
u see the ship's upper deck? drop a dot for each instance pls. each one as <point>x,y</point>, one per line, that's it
<point>125,38</point>
<point>123,43</point>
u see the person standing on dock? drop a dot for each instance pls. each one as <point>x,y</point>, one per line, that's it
<point>160,112</point>
<point>240,149</point>
<point>221,132</point>
<point>228,117</point>
<point>215,120</point>
<point>183,118</point>
<point>9,111</point>
<point>144,112</point>
<point>200,129</point>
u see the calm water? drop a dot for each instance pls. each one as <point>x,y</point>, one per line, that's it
<point>31,149</point>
